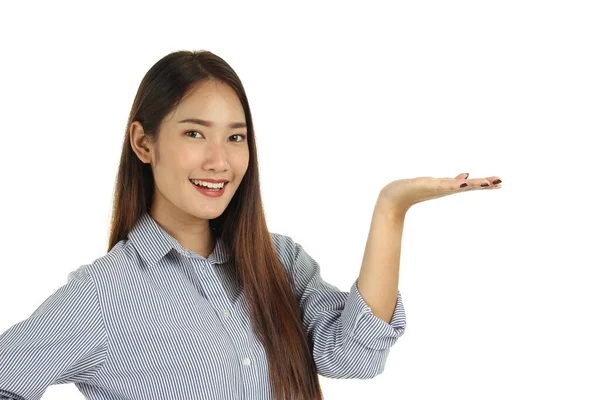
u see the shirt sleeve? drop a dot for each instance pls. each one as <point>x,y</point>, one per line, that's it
<point>347,339</point>
<point>63,341</point>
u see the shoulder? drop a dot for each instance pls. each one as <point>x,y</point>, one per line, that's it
<point>292,254</point>
<point>121,258</point>
<point>280,239</point>
<point>285,246</point>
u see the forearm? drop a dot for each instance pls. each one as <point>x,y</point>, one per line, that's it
<point>380,269</point>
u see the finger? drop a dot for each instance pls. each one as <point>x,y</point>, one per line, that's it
<point>476,184</point>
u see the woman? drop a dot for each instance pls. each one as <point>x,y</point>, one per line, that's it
<point>195,298</point>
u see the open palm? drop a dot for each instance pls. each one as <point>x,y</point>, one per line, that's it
<point>403,193</point>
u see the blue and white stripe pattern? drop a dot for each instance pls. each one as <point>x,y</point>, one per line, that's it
<point>153,320</point>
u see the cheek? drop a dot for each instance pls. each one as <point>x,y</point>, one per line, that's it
<point>184,160</point>
<point>242,163</point>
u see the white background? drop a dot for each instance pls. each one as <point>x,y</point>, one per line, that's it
<point>500,286</point>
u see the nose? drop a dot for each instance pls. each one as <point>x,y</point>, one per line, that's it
<point>216,155</point>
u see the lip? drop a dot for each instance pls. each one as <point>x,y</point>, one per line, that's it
<point>210,193</point>
<point>210,180</point>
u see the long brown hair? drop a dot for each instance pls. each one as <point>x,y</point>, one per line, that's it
<point>275,310</point>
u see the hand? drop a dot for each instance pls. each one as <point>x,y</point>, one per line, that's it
<point>401,194</point>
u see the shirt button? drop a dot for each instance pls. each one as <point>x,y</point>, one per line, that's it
<point>246,361</point>
<point>225,313</point>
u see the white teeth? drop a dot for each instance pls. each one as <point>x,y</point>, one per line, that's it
<point>208,184</point>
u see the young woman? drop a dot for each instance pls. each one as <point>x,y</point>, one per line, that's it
<point>195,298</point>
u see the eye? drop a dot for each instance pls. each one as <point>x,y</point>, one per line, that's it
<point>191,132</point>
<point>243,137</point>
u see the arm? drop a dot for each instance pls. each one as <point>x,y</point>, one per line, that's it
<point>63,341</point>
<point>347,340</point>
<point>379,273</point>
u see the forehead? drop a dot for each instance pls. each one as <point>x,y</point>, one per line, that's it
<point>212,100</point>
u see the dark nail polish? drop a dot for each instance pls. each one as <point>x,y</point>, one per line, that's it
<point>496,181</point>
<point>463,185</point>
<point>485,184</point>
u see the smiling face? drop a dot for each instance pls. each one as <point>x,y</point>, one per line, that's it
<point>189,150</point>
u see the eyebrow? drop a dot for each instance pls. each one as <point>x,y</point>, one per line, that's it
<point>210,124</point>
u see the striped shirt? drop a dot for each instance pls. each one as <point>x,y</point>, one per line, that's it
<point>153,320</point>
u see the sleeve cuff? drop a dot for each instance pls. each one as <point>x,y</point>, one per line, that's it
<point>360,324</point>
<point>6,395</point>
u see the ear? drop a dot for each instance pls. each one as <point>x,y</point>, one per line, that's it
<point>139,142</point>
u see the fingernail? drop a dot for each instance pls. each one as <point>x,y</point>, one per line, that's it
<point>485,184</point>
<point>467,175</point>
<point>496,181</point>
<point>463,185</point>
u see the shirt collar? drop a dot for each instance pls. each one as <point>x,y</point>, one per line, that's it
<point>152,243</point>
